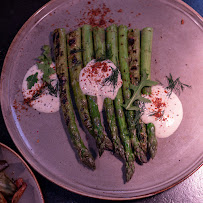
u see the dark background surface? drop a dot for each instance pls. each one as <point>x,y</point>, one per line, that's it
<point>13,14</point>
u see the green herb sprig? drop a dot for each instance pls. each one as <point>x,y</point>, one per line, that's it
<point>44,64</point>
<point>137,93</point>
<point>112,79</point>
<point>175,85</point>
<point>31,80</point>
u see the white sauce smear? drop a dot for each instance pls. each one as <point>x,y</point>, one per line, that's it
<point>45,102</point>
<point>164,111</point>
<point>92,80</point>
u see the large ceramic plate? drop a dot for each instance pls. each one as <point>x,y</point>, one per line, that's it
<point>41,138</point>
<point>19,169</point>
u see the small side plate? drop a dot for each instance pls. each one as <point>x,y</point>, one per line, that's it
<point>19,169</point>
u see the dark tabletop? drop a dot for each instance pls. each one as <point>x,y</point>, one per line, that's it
<point>13,15</point>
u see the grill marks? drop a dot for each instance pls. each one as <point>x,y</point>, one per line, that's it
<point>72,44</point>
<point>134,55</point>
<point>75,65</point>
<point>57,51</point>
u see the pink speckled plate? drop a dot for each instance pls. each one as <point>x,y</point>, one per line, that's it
<point>41,138</point>
<point>19,169</point>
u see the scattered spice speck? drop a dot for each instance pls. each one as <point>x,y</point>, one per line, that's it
<point>111,20</point>
<point>182,22</point>
<point>138,14</point>
<point>95,16</point>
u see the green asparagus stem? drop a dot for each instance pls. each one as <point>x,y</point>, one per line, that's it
<point>124,68</point>
<point>60,53</point>
<point>88,55</point>
<point>75,66</point>
<point>142,136</point>
<point>100,53</point>
<point>134,67</point>
<point>152,141</point>
<point>112,50</point>
<point>99,43</point>
<point>146,51</point>
<point>134,55</point>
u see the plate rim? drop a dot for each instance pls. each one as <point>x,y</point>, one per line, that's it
<point>26,166</point>
<point>32,163</point>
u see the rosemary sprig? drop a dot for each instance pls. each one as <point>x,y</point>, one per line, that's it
<point>175,85</point>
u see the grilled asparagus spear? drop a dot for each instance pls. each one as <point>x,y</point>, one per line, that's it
<point>59,39</point>
<point>88,55</point>
<point>124,68</point>
<point>134,67</point>
<point>152,141</point>
<point>112,50</point>
<point>75,66</point>
<point>146,50</point>
<point>100,53</point>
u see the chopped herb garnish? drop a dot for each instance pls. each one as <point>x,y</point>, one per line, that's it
<point>175,85</point>
<point>158,114</point>
<point>52,90</point>
<point>44,64</point>
<point>45,57</point>
<point>31,80</point>
<point>112,79</point>
<point>137,93</point>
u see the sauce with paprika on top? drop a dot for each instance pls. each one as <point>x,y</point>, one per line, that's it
<point>165,111</point>
<point>101,79</point>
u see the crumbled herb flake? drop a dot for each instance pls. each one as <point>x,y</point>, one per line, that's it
<point>31,80</point>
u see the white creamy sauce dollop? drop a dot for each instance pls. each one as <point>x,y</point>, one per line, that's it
<point>94,80</point>
<point>165,111</point>
<point>45,102</point>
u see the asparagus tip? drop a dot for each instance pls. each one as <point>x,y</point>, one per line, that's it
<point>130,169</point>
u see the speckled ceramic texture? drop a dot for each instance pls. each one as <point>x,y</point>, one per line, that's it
<point>42,139</point>
<point>19,169</point>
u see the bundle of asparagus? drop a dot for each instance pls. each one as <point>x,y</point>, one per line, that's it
<point>130,139</point>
